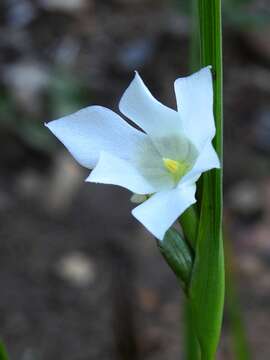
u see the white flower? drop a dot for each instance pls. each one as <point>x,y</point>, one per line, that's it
<point>163,162</point>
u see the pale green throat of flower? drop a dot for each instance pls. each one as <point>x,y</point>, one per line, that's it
<point>178,168</point>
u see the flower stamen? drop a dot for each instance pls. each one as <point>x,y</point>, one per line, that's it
<point>177,168</point>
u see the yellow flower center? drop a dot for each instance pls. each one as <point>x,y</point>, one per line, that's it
<point>177,168</point>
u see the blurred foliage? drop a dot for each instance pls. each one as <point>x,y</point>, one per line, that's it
<point>242,13</point>
<point>66,94</point>
<point>63,95</point>
<point>3,353</point>
<point>26,128</point>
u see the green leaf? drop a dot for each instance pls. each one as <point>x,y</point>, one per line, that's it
<point>178,255</point>
<point>189,221</point>
<point>207,283</point>
<point>206,291</point>
<point>3,353</point>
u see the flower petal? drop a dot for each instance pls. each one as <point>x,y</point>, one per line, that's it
<point>93,129</point>
<point>159,212</point>
<point>113,170</point>
<point>207,160</point>
<point>194,95</point>
<point>156,119</point>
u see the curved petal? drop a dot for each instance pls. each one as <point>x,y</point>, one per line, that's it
<point>156,119</point>
<point>207,160</point>
<point>159,212</point>
<point>194,96</point>
<point>115,171</point>
<point>94,129</point>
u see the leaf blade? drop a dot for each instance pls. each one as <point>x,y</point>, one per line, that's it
<point>208,281</point>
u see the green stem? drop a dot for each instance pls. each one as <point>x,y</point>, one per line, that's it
<point>192,346</point>
<point>207,284</point>
<point>189,222</point>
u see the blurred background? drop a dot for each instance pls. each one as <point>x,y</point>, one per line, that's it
<point>80,278</point>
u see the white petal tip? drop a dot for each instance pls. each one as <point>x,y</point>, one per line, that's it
<point>159,236</point>
<point>48,124</point>
<point>91,177</point>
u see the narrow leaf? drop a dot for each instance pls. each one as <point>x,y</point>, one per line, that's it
<point>207,283</point>
<point>3,353</point>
